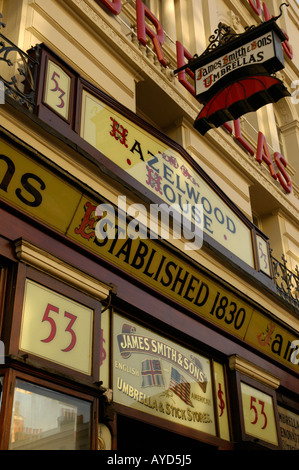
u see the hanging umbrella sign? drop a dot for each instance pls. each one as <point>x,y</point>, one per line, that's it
<point>261,55</point>
<point>234,75</point>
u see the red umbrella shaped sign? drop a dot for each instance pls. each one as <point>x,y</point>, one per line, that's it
<point>241,97</point>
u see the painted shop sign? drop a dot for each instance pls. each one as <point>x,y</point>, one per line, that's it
<point>57,328</point>
<point>289,429</point>
<point>256,52</point>
<point>258,414</point>
<point>161,378</point>
<point>163,172</point>
<point>148,261</point>
<point>235,76</point>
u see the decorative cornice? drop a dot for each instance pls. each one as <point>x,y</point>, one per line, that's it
<point>251,370</point>
<point>37,258</point>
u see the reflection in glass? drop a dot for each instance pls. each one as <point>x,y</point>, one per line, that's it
<point>47,420</point>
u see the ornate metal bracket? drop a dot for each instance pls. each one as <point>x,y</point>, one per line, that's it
<point>21,84</point>
<point>286,281</point>
<point>280,9</point>
<point>223,35</point>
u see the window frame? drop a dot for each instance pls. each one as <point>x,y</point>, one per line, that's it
<point>24,273</point>
<point>10,378</point>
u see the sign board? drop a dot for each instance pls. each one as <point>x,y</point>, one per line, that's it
<point>148,261</point>
<point>234,77</point>
<point>257,55</point>
<point>164,173</point>
<point>57,90</point>
<point>221,399</point>
<point>289,429</point>
<point>258,413</point>
<point>57,328</point>
<point>161,378</point>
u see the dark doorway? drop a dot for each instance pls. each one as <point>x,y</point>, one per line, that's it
<point>137,435</point>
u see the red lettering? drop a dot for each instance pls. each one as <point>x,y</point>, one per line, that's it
<point>182,53</point>
<point>263,154</point>
<point>143,30</point>
<point>286,46</point>
<point>228,127</point>
<point>267,14</point>
<point>119,132</point>
<point>114,6</point>
<point>241,139</point>
<point>154,180</point>
<point>283,178</point>
<point>87,222</point>
<point>256,6</point>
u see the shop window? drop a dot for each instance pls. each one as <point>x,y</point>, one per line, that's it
<point>44,419</point>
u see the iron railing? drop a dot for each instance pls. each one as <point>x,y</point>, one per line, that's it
<point>286,281</point>
<point>20,83</point>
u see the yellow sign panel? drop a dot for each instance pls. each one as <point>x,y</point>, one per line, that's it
<point>270,338</point>
<point>258,412</point>
<point>57,90</point>
<point>161,378</point>
<point>57,328</point>
<point>289,429</point>
<point>221,400</point>
<point>163,172</point>
<point>29,186</point>
<point>38,192</point>
<point>150,262</point>
<point>263,255</point>
<point>181,281</point>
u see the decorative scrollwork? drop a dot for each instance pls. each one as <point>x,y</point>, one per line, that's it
<point>222,35</point>
<point>286,281</point>
<point>280,9</point>
<point>20,84</point>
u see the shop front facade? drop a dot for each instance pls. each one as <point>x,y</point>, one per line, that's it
<point>149,276</point>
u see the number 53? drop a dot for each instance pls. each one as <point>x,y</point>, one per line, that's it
<point>62,93</point>
<point>256,414</point>
<point>73,318</point>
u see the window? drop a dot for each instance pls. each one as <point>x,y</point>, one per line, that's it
<point>44,419</point>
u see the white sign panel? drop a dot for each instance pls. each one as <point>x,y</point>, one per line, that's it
<point>161,378</point>
<point>253,53</point>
